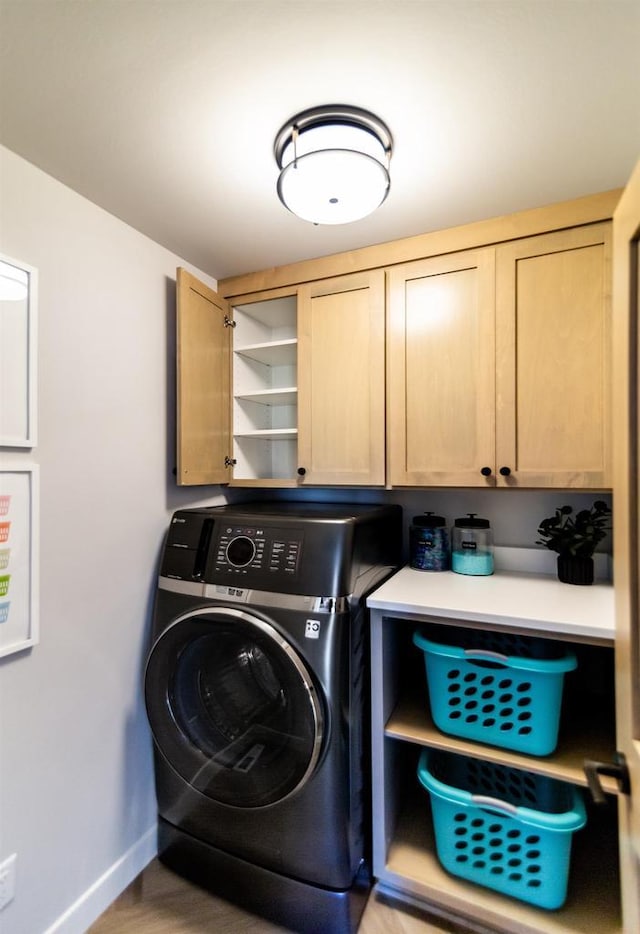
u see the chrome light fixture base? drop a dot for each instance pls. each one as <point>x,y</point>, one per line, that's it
<point>334,164</point>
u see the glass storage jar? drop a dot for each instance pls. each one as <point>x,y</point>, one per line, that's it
<point>472,546</point>
<point>429,543</point>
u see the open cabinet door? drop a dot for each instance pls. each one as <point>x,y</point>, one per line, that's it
<point>626,525</point>
<point>203,383</point>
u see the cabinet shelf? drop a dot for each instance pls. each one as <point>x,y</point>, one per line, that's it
<point>272,353</point>
<point>587,736</point>
<point>270,434</point>
<point>286,396</point>
<point>265,392</point>
<point>593,883</point>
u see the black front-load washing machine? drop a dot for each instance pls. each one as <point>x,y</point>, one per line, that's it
<point>256,691</point>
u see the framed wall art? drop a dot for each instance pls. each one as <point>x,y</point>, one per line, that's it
<point>18,353</point>
<point>19,550</point>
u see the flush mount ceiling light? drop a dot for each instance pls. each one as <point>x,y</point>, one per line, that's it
<point>334,164</point>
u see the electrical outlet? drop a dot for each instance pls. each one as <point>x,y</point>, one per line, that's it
<point>7,880</point>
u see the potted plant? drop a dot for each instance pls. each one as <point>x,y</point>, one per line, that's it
<point>574,538</point>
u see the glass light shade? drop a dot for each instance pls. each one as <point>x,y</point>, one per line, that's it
<point>333,186</point>
<point>13,283</point>
<point>334,164</point>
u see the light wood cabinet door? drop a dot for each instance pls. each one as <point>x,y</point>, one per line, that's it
<point>441,396</point>
<point>341,418</point>
<point>552,359</point>
<point>626,529</point>
<point>203,383</point>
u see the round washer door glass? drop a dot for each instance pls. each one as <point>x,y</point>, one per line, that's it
<point>233,708</point>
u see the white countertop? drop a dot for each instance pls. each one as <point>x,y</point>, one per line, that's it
<point>525,600</point>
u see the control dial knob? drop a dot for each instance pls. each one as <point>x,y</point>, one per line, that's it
<point>240,551</point>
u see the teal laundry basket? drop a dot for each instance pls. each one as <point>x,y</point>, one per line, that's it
<point>502,828</point>
<point>496,688</point>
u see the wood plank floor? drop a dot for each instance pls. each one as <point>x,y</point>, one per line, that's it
<point>160,902</point>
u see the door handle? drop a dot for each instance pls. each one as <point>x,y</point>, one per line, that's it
<point>616,769</point>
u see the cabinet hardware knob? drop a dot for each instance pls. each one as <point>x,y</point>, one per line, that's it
<point>505,471</point>
<point>301,471</point>
<point>486,471</point>
<point>616,769</point>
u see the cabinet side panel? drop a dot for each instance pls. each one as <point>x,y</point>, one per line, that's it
<point>203,390</point>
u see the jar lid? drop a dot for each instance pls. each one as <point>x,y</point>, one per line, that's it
<point>429,521</point>
<point>472,522</point>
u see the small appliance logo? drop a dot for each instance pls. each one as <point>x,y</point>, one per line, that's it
<point>312,629</point>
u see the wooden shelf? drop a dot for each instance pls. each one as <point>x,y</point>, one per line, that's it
<point>593,894</point>
<point>285,396</point>
<point>590,737</point>
<point>273,353</point>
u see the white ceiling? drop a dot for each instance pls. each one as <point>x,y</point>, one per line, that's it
<point>164,112</point>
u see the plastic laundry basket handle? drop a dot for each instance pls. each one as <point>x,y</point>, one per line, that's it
<point>485,653</point>
<point>484,801</point>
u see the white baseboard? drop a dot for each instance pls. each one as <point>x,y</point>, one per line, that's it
<point>91,904</point>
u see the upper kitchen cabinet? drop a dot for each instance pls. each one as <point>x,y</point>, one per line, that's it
<point>499,365</point>
<point>283,387</point>
<point>341,418</point>
<point>441,382</point>
<point>553,348</point>
<point>308,384</point>
<point>497,361</point>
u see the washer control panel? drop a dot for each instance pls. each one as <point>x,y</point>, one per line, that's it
<point>240,550</point>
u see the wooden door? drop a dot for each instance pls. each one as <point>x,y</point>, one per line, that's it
<point>552,359</point>
<point>626,528</point>
<point>341,419</point>
<point>203,383</point>
<point>440,361</point>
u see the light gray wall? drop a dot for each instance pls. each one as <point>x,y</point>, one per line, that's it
<point>514,514</point>
<point>76,787</point>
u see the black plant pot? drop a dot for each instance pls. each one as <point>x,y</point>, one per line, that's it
<point>575,569</point>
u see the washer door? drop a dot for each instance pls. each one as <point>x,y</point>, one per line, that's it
<point>233,708</point>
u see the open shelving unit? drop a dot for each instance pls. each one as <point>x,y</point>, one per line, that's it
<point>265,392</point>
<point>405,861</point>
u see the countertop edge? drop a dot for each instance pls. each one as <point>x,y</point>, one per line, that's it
<point>582,612</point>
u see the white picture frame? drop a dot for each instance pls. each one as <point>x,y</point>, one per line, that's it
<point>19,557</point>
<point>18,353</point>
